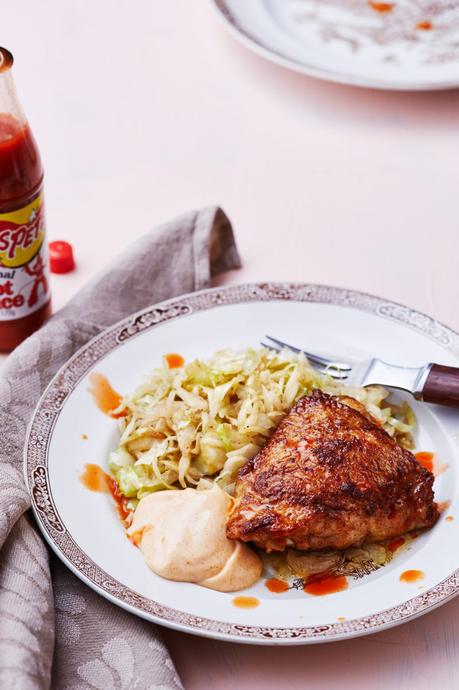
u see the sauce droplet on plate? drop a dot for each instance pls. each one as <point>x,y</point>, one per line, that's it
<point>412,576</point>
<point>95,479</point>
<point>319,586</point>
<point>174,361</point>
<point>120,500</point>
<point>425,25</point>
<point>84,437</point>
<point>341,619</point>
<point>381,7</point>
<point>105,397</point>
<point>276,586</point>
<point>426,460</point>
<point>246,602</point>
<point>395,544</point>
<point>449,518</point>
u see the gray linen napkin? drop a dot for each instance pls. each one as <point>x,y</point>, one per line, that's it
<point>54,631</point>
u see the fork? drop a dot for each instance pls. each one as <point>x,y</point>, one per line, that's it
<point>433,383</point>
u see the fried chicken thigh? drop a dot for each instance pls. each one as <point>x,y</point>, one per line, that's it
<point>330,477</point>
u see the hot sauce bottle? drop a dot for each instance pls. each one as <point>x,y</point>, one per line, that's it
<point>24,279</point>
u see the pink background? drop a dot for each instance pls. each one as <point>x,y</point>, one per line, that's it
<point>145,110</point>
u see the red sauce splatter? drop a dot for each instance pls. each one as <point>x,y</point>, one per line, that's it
<point>425,25</point>
<point>105,397</point>
<point>276,586</point>
<point>291,443</point>
<point>120,500</point>
<point>246,602</point>
<point>426,460</point>
<point>174,361</point>
<point>381,7</point>
<point>412,576</point>
<point>396,544</point>
<point>324,583</point>
<point>449,518</point>
<point>95,479</point>
<point>136,538</point>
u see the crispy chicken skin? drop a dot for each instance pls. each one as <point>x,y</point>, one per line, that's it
<point>330,477</point>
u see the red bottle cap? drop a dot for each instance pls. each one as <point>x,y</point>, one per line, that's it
<point>61,257</point>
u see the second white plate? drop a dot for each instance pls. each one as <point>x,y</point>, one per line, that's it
<point>399,45</point>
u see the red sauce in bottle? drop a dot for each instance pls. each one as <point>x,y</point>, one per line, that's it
<point>24,280</point>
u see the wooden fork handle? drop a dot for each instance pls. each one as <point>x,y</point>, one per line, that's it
<point>442,385</point>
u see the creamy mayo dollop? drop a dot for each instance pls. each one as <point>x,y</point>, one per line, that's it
<point>182,536</point>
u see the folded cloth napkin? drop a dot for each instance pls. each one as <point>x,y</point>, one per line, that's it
<point>54,631</point>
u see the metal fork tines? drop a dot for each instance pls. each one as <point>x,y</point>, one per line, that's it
<point>337,370</point>
<point>365,373</point>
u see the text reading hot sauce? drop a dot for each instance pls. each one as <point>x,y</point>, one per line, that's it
<point>24,280</point>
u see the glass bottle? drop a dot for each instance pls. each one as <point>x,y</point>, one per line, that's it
<point>24,278</point>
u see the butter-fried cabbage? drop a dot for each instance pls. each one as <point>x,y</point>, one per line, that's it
<point>205,420</point>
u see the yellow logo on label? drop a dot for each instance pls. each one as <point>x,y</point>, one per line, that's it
<point>21,234</point>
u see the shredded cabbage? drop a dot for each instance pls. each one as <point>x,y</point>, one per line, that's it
<point>203,421</point>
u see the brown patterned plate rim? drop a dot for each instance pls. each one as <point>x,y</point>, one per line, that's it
<point>67,378</point>
<point>249,40</point>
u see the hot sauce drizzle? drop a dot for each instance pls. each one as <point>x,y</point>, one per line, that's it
<point>425,25</point>
<point>246,602</point>
<point>105,397</point>
<point>412,576</point>
<point>381,7</point>
<point>174,361</point>
<point>396,544</point>
<point>276,586</point>
<point>426,460</point>
<point>324,583</point>
<point>121,501</point>
<point>95,479</point>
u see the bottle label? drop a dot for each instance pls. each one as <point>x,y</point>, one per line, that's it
<point>24,275</point>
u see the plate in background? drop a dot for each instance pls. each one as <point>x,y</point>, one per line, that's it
<point>83,528</point>
<point>408,45</point>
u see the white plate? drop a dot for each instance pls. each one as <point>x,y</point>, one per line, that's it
<point>348,41</point>
<point>84,530</point>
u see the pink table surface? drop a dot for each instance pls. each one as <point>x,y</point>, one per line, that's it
<point>144,110</point>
